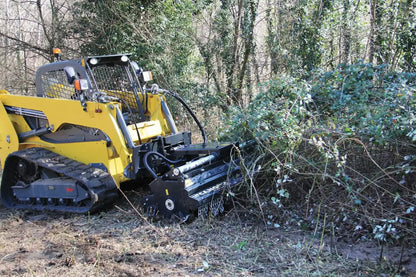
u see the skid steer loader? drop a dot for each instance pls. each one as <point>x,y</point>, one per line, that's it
<point>96,124</point>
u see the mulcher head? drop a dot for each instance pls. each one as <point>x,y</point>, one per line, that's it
<point>196,187</point>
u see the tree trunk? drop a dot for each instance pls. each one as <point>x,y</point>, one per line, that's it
<point>346,32</point>
<point>232,90</point>
<point>248,49</point>
<point>371,36</point>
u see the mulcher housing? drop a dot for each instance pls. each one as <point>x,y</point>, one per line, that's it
<point>94,126</point>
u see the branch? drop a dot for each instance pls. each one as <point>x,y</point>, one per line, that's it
<point>42,20</point>
<point>41,51</point>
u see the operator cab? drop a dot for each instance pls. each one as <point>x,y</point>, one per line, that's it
<point>109,78</point>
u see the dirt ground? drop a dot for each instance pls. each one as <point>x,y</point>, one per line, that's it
<point>119,242</point>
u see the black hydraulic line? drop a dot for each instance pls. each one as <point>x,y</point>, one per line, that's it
<point>144,97</point>
<point>177,97</point>
<point>146,164</point>
<point>137,84</point>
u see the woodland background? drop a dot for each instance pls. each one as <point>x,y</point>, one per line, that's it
<point>325,88</point>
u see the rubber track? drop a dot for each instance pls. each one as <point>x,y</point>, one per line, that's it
<point>100,185</point>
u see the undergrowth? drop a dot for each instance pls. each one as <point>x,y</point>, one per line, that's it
<point>338,151</point>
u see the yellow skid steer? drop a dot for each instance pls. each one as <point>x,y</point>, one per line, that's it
<point>94,125</point>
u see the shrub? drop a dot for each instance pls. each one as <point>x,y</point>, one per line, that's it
<point>340,145</point>
<point>367,100</point>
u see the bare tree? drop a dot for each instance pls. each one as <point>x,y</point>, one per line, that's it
<point>227,45</point>
<point>29,31</point>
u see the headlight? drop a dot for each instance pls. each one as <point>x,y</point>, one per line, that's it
<point>93,61</point>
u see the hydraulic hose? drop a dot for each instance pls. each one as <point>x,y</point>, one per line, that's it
<point>177,97</point>
<point>146,163</point>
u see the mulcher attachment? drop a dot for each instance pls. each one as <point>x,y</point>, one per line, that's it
<point>195,187</point>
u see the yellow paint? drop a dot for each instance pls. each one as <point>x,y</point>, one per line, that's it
<point>59,112</point>
<point>154,110</point>
<point>147,130</point>
<point>9,141</point>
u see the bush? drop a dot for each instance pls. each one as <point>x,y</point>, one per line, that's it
<point>338,146</point>
<point>367,101</point>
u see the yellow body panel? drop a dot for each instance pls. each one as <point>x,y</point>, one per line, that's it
<point>9,141</point>
<point>147,130</point>
<point>59,112</point>
<point>153,106</point>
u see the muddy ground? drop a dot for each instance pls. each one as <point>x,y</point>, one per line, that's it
<point>119,242</point>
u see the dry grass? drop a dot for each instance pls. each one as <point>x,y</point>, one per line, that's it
<point>118,242</point>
